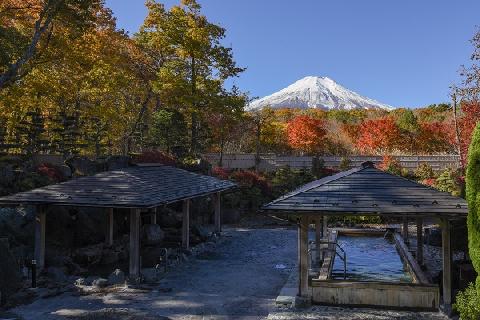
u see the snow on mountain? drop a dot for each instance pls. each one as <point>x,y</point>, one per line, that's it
<point>317,92</point>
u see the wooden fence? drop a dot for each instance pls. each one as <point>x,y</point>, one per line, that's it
<point>270,162</point>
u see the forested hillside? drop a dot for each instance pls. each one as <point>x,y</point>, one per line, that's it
<point>72,83</point>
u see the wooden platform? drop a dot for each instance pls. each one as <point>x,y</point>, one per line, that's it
<point>378,294</point>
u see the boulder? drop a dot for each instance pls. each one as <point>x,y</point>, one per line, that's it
<point>202,232</point>
<point>152,234</point>
<point>116,277</point>
<point>117,162</point>
<point>57,274</point>
<point>151,275</point>
<point>170,219</point>
<point>89,255</point>
<point>80,282</point>
<point>100,283</point>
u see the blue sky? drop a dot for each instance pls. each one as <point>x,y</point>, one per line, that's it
<point>403,53</point>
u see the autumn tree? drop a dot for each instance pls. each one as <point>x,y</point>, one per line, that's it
<point>195,63</point>
<point>28,29</point>
<point>307,134</point>
<point>378,136</point>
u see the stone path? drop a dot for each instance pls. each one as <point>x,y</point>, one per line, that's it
<point>239,279</point>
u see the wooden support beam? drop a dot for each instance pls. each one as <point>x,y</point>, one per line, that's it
<point>153,217</point>
<point>134,270</point>
<point>447,262</point>
<point>318,238</point>
<point>40,225</point>
<point>325,227</point>
<point>303,256</point>
<point>420,241</point>
<point>218,213</point>
<point>186,224</point>
<point>109,233</point>
<point>405,230</point>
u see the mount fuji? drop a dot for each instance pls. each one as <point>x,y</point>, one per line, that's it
<point>317,92</point>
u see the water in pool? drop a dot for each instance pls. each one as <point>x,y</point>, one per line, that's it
<point>370,259</point>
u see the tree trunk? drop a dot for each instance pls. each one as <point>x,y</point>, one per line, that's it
<point>457,130</point>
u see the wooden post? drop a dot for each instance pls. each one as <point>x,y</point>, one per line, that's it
<point>303,256</point>
<point>318,238</point>
<point>186,224</point>
<point>134,269</point>
<point>218,213</point>
<point>40,224</point>
<point>153,217</point>
<point>447,262</point>
<point>325,227</point>
<point>109,233</point>
<point>405,230</point>
<point>420,241</point>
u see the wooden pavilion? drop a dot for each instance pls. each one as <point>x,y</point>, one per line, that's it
<point>140,189</point>
<point>367,191</point>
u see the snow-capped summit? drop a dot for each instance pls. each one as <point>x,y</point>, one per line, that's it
<point>317,92</point>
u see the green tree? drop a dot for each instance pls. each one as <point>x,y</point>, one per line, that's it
<point>195,63</point>
<point>473,198</point>
<point>468,301</point>
<point>168,130</point>
<point>409,127</point>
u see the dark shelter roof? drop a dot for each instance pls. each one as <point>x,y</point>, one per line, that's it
<point>133,187</point>
<point>369,191</point>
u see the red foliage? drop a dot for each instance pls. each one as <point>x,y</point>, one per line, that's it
<point>466,124</point>
<point>154,156</point>
<point>429,182</point>
<point>221,173</point>
<point>389,163</point>
<point>436,137</point>
<point>378,135</point>
<point>248,178</point>
<point>51,171</point>
<point>306,134</point>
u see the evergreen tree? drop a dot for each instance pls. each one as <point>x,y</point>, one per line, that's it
<point>473,198</point>
<point>31,133</point>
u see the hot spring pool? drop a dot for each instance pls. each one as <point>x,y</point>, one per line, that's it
<point>370,258</point>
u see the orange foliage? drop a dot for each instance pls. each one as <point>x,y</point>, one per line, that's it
<point>306,134</point>
<point>468,121</point>
<point>378,135</point>
<point>436,137</point>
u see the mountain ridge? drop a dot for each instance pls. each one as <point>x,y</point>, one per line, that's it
<point>317,92</point>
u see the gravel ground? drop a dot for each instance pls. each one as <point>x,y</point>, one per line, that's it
<point>336,313</point>
<point>239,279</point>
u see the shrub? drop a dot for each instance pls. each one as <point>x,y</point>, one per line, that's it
<point>285,180</point>
<point>248,178</point>
<point>468,303</point>
<point>345,164</point>
<point>51,171</point>
<point>424,171</point>
<point>154,156</point>
<point>391,165</point>
<point>318,166</point>
<point>221,173</point>
<point>448,181</point>
<point>429,182</point>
